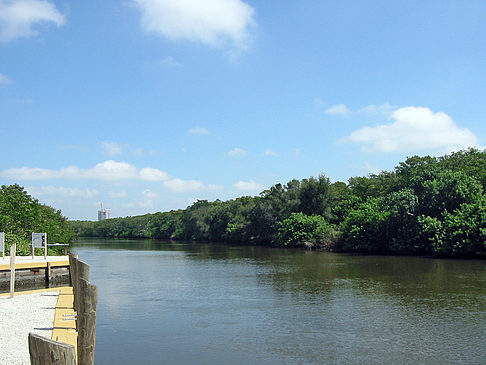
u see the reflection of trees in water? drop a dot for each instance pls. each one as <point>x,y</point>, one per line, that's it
<point>309,275</point>
<point>410,280</point>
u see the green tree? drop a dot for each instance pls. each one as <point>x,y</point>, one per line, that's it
<point>299,229</point>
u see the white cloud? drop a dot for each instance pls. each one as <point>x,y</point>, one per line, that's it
<point>217,23</point>
<point>338,109</point>
<point>237,152</point>
<point>117,194</point>
<point>4,80</point>
<point>249,186</point>
<point>415,129</point>
<point>198,130</point>
<point>298,151</point>
<point>269,152</point>
<point>61,191</point>
<point>151,174</point>
<point>112,149</point>
<point>180,186</point>
<point>108,170</point>
<point>18,17</point>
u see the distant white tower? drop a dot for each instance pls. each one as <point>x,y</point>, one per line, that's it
<point>103,213</point>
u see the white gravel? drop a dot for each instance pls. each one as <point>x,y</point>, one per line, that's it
<point>20,315</point>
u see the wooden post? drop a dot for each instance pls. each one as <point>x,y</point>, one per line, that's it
<point>82,272</point>
<point>48,352</point>
<point>88,301</point>
<point>73,261</point>
<point>13,252</point>
<point>48,273</point>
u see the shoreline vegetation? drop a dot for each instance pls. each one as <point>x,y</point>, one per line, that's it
<point>433,206</point>
<point>21,214</point>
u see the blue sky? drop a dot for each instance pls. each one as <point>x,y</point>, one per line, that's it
<point>149,105</point>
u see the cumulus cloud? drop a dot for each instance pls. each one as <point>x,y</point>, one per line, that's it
<point>217,23</point>
<point>415,129</point>
<point>62,191</point>
<point>249,186</point>
<point>338,109</point>
<point>198,130</point>
<point>4,80</point>
<point>237,152</point>
<point>151,174</point>
<point>108,170</point>
<point>18,18</point>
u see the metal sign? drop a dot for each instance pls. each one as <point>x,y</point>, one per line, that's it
<point>2,243</point>
<point>39,240</point>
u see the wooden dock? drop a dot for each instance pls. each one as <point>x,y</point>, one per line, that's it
<point>26,265</point>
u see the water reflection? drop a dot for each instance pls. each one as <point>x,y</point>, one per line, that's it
<point>179,303</point>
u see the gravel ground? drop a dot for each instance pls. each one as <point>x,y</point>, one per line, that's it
<point>20,315</point>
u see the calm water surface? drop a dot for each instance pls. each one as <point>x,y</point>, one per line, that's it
<point>176,303</point>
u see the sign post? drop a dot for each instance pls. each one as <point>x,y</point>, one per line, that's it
<point>13,252</point>
<point>39,240</point>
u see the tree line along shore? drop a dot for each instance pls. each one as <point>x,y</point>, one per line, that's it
<point>425,206</point>
<point>21,214</point>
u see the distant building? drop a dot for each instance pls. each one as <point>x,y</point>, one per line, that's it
<point>103,213</point>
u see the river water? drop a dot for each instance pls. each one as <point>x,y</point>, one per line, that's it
<point>186,303</point>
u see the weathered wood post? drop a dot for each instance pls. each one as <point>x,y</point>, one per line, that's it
<point>88,301</point>
<point>44,351</point>
<point>13,253</point>
<point>72,270</point>
<point>48,273</point>
<point>81,271</point>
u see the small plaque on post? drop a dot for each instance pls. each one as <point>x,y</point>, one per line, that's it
<point>39,240</point>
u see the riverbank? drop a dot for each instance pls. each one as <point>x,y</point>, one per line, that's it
<point>31,311</point>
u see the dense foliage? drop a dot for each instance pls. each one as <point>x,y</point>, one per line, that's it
<point>20,215</point>
<point>426,205</point>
